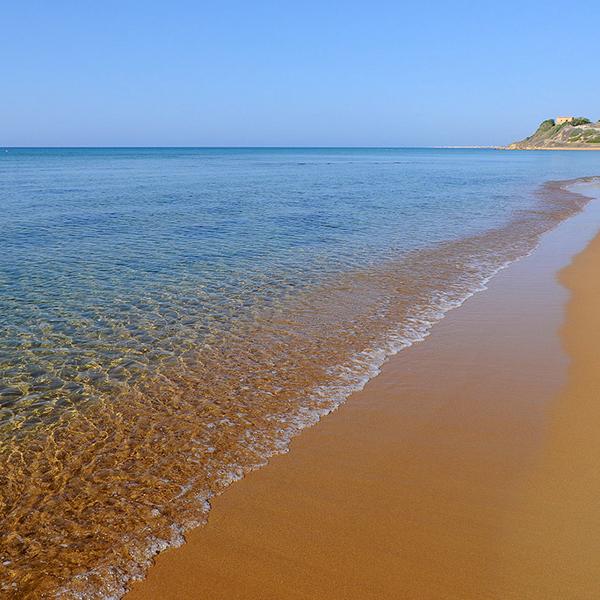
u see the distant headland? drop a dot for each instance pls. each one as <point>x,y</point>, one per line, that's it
<point>562,133</point>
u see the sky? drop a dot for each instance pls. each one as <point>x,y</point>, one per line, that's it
<point>279,73</point>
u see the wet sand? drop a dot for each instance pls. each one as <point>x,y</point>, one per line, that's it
<point>469,468</point>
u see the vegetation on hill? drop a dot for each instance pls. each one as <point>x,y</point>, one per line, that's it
<point>577,133</point>
<point>580,121</point>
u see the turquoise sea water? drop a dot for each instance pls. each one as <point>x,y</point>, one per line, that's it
<point>170,317</point>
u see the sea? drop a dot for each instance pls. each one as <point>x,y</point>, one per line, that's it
<point>172,317</point>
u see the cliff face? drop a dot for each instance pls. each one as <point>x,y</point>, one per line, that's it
<point>549,135</point>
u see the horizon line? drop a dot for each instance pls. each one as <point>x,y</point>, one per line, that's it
<point>469,146</point>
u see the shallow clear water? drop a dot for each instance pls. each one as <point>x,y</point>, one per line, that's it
<point>169,318</point>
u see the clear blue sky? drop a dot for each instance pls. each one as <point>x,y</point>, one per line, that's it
<point>283,73</point>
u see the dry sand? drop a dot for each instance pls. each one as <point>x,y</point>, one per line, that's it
<point>468,469</point>
<point>554,533</point>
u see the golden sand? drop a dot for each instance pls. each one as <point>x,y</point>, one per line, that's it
<point>554,534</point>
<point>469,469</point>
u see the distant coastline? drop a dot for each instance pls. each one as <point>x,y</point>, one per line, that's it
<point>562,133</point>
<point>465,147</point>
<point>549,148</point>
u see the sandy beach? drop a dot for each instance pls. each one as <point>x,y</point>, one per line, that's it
<point>467,469</point>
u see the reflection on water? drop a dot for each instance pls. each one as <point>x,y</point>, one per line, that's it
<point>156,345</point>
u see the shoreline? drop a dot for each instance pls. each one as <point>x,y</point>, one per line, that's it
<point>193,459</point>
<point>547,148</point>
<point>229,553</point>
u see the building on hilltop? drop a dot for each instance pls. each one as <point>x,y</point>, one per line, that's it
<point>561,120</point>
